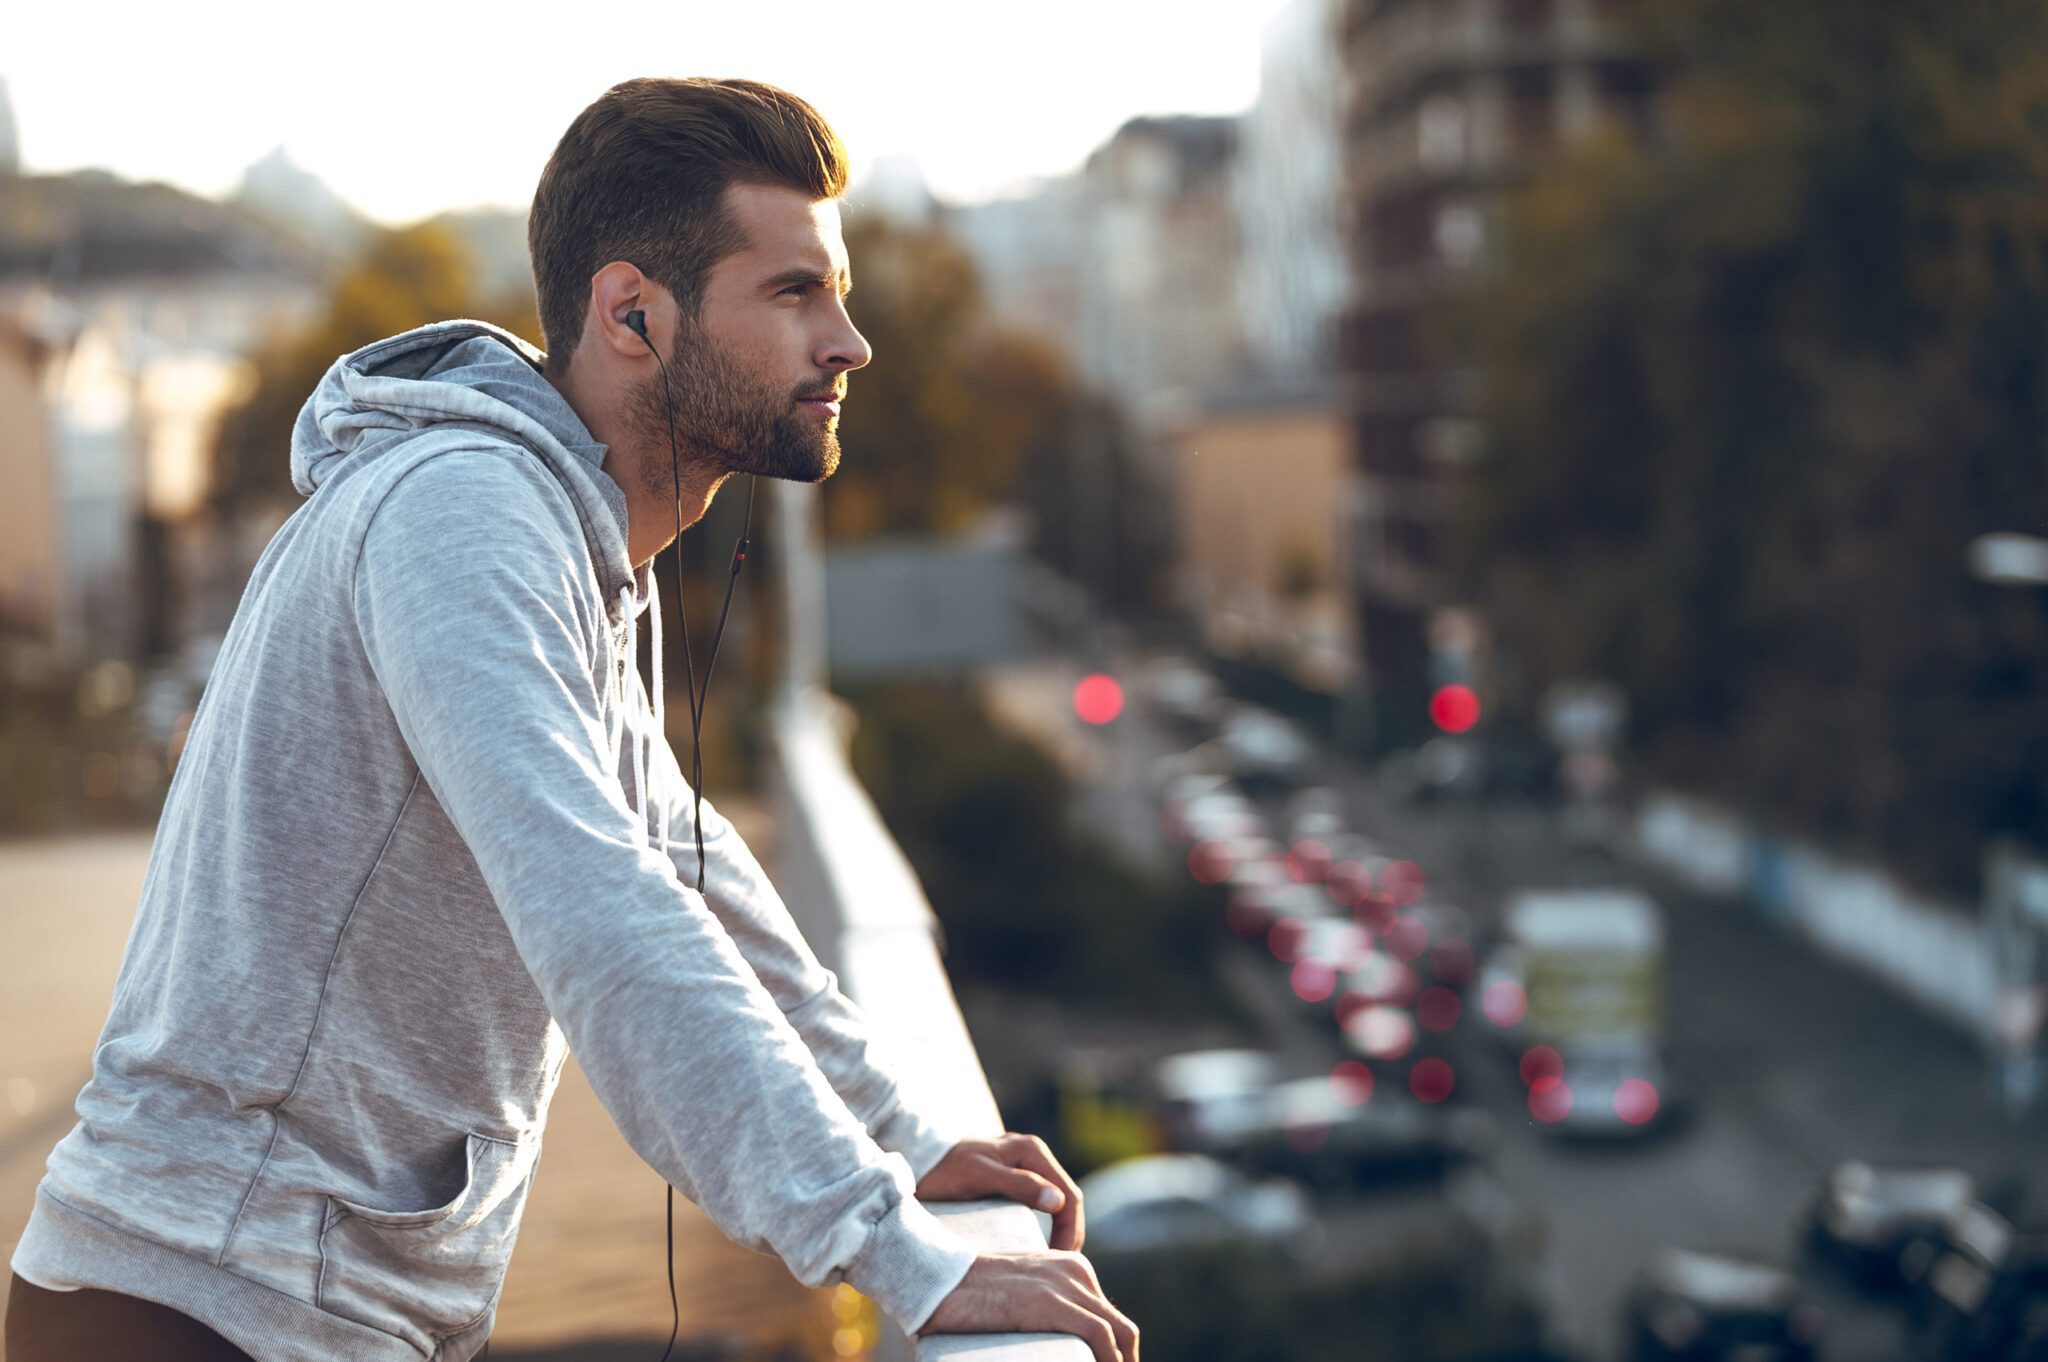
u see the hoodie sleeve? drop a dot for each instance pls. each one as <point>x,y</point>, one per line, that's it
<point>831,1024</point>
<point>482,622</point>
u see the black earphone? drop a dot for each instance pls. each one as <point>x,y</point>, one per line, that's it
<point>636,322</point>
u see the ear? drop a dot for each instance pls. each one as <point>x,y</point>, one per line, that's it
<point>617,291</point>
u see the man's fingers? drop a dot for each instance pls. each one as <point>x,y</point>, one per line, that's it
<point>1034,1191</point>
<point>1068,1225</point>
<point>1126,1332</point>
<point>1088,1295</point>
<point>1037,1292</point>
<point>1091,1328</point>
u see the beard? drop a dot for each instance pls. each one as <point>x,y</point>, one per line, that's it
<point>727,421</point>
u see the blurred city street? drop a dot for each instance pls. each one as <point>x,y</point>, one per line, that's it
<point>1788,1062</point>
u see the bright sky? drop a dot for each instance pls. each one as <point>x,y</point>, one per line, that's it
<point>408,109</point>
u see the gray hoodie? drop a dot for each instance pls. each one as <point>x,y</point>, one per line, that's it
<point>425,839</point>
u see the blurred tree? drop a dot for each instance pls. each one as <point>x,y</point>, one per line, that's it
<point>956,413</point>
<point>940,417</point>
<point>1750,393</point>
<point>406,277</point>
<point>1027,898</point>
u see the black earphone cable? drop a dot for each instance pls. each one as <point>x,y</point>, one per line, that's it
<point>636,321</point>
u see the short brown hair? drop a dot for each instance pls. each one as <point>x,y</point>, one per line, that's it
<point>641,176</point>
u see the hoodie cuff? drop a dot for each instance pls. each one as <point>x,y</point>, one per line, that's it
<point>921,1143</point>
<point>909,1264</point>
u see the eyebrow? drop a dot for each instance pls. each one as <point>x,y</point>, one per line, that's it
<point>803,275</point>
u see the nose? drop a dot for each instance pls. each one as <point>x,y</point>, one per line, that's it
<point>845,348</point>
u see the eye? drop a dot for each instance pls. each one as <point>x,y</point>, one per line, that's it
<point>794,291</point>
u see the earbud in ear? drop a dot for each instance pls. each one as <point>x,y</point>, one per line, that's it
<point>636,322</point>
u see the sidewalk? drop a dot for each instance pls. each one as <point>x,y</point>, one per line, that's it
<point>590,1262</point>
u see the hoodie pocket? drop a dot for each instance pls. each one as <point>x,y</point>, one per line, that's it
<point>422,1275</point>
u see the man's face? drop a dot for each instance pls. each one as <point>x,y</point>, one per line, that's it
<point>756,379</point>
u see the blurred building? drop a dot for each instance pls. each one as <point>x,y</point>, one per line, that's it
<point>134,306</point>
<point>30,568</point>
<point>1259,478</point>
<point>10,136</point>
<point>1452,103</point>
<point>1130,264</point>
<point>1157,323</point>
<point>1029,250</point>
<point>1293,279</point>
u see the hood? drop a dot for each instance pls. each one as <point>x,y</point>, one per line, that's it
<point>473,374</point>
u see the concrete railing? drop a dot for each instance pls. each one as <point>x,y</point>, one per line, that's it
<point>861,906</point>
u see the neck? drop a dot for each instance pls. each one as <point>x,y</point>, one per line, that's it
<point>639,465</point>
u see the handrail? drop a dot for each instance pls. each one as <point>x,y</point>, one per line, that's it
<point>864,912</point>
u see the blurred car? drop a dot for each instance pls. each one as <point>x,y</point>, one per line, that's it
<point>1253,909</point>
<point>1317,813</point>
<point>1688,1306</point>
<point>1435,937</point>
<point>1236,858</point>
<point>1337,942</point>
<point>1265,747</point>
<point>1268,870</point>
<point>1870,1220</point>
<point>1209,1099</point>
<point>1165,1203</point>
<point>1403,1054</point>
<point>1220,813</point>
<point>1602,1092</point>
<point>1337,1132</point>
<point>1983,1296</point>
<point>1376,978</point>
<point>1187,696</point>
<point>1504,995</point>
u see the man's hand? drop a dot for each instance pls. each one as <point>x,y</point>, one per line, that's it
<point>1019,1167</point>
<point>1034,1293</point>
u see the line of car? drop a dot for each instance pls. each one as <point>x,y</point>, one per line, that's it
<point>1371,952</point>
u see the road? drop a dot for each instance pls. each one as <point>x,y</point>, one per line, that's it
<point>1793,1063</point>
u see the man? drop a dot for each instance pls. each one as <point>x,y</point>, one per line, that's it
<point>425,837</point>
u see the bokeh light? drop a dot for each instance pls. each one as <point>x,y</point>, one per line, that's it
<point>1098,698</point>
<point>1352,1080</point>
<point>1381,1032</point>
<point>1540,1062</point>
<point>1432,1080</point>
<point>1308,861</point>
<point>1210,861</point>
<point>1347,882</point>
<point>1550,1100</point>
<point>1403,883</point>
<point>1505,1002</point>
<point>1407,938</point>
<point>1454,708</point>
<point>1312,980</point>
<point>1437,1009</point>
<point>1284,939</point>
<point>1636,1101</point>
